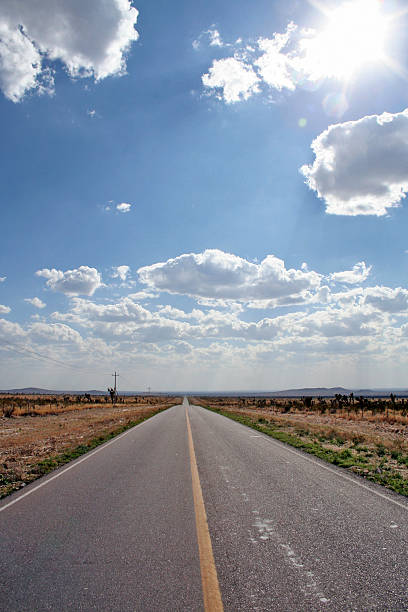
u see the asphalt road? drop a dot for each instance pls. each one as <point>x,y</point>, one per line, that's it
<point>116,531</point>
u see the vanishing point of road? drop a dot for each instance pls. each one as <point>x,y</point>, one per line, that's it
<point>191,511</point>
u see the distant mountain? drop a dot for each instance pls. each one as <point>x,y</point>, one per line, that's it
<point>31,391</point>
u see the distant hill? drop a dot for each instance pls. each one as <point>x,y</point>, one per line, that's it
<point>332,391</point>
<point>38,391</point>
<point>319,391</point>
<point>303,392</point>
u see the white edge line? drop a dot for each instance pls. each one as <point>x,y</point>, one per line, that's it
<point>304,455</point>
<point>77,462</point>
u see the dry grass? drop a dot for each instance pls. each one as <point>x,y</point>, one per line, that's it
<point>49,430</point>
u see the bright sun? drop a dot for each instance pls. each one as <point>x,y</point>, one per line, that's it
<point>355,35</point>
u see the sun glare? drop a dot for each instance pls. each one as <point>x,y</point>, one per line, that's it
<point>355,35</point>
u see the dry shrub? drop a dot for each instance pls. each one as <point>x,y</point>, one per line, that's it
<point>8,411</point>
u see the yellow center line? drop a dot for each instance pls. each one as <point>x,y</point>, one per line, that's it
<point>209,580</point>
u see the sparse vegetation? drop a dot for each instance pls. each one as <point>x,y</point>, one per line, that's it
<point>43,405</point>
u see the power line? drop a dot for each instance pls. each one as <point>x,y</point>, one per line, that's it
<point>22,350</point>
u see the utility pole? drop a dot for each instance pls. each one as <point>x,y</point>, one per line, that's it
<point>116,376</point>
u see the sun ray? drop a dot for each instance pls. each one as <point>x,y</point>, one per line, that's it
<point>355,34</point>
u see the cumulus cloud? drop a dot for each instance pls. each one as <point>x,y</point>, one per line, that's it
<point>2,279</point>
<point>4,309</point>
<point>124,320</point>
<point>89,38</point>
<point>358,274</point>
<point>121,272</point>
<point>360,167</point>
<point>215,274</point>
<point>81,281</point>
<point>35,301</point>
<point>125,310</point>
<point>348,322</point>
<point>232,78</point>
<point>123,207</point>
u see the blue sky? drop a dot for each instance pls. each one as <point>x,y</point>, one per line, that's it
<point>203,196</point>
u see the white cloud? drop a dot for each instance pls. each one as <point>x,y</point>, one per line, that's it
<point>2,279</point>
<point>358,274</point>
<point>213,36</point>
<point>215,274</point>
<point>35,301</point>
<point>232,78</point>
<point>123,207</point>
<point>89,38</point>
<point>275,63</point>
<point>277,69</point>
<point>360,166</point>
<point>121,272</point>
<point>347,322</point>
<point>386,299</point>
<point>54,332</point>
<point>9,332</point>
<point>81,281</point>
<point>125,310</point>
<point>353,35</point>
<point>4,309</point>
<point>351,324</point>
<point>143,295</point>
<point>126,321</point>
<point>378,298</point>
<point>20,62</point>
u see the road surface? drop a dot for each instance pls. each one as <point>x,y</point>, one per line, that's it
<point>120,529</point>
